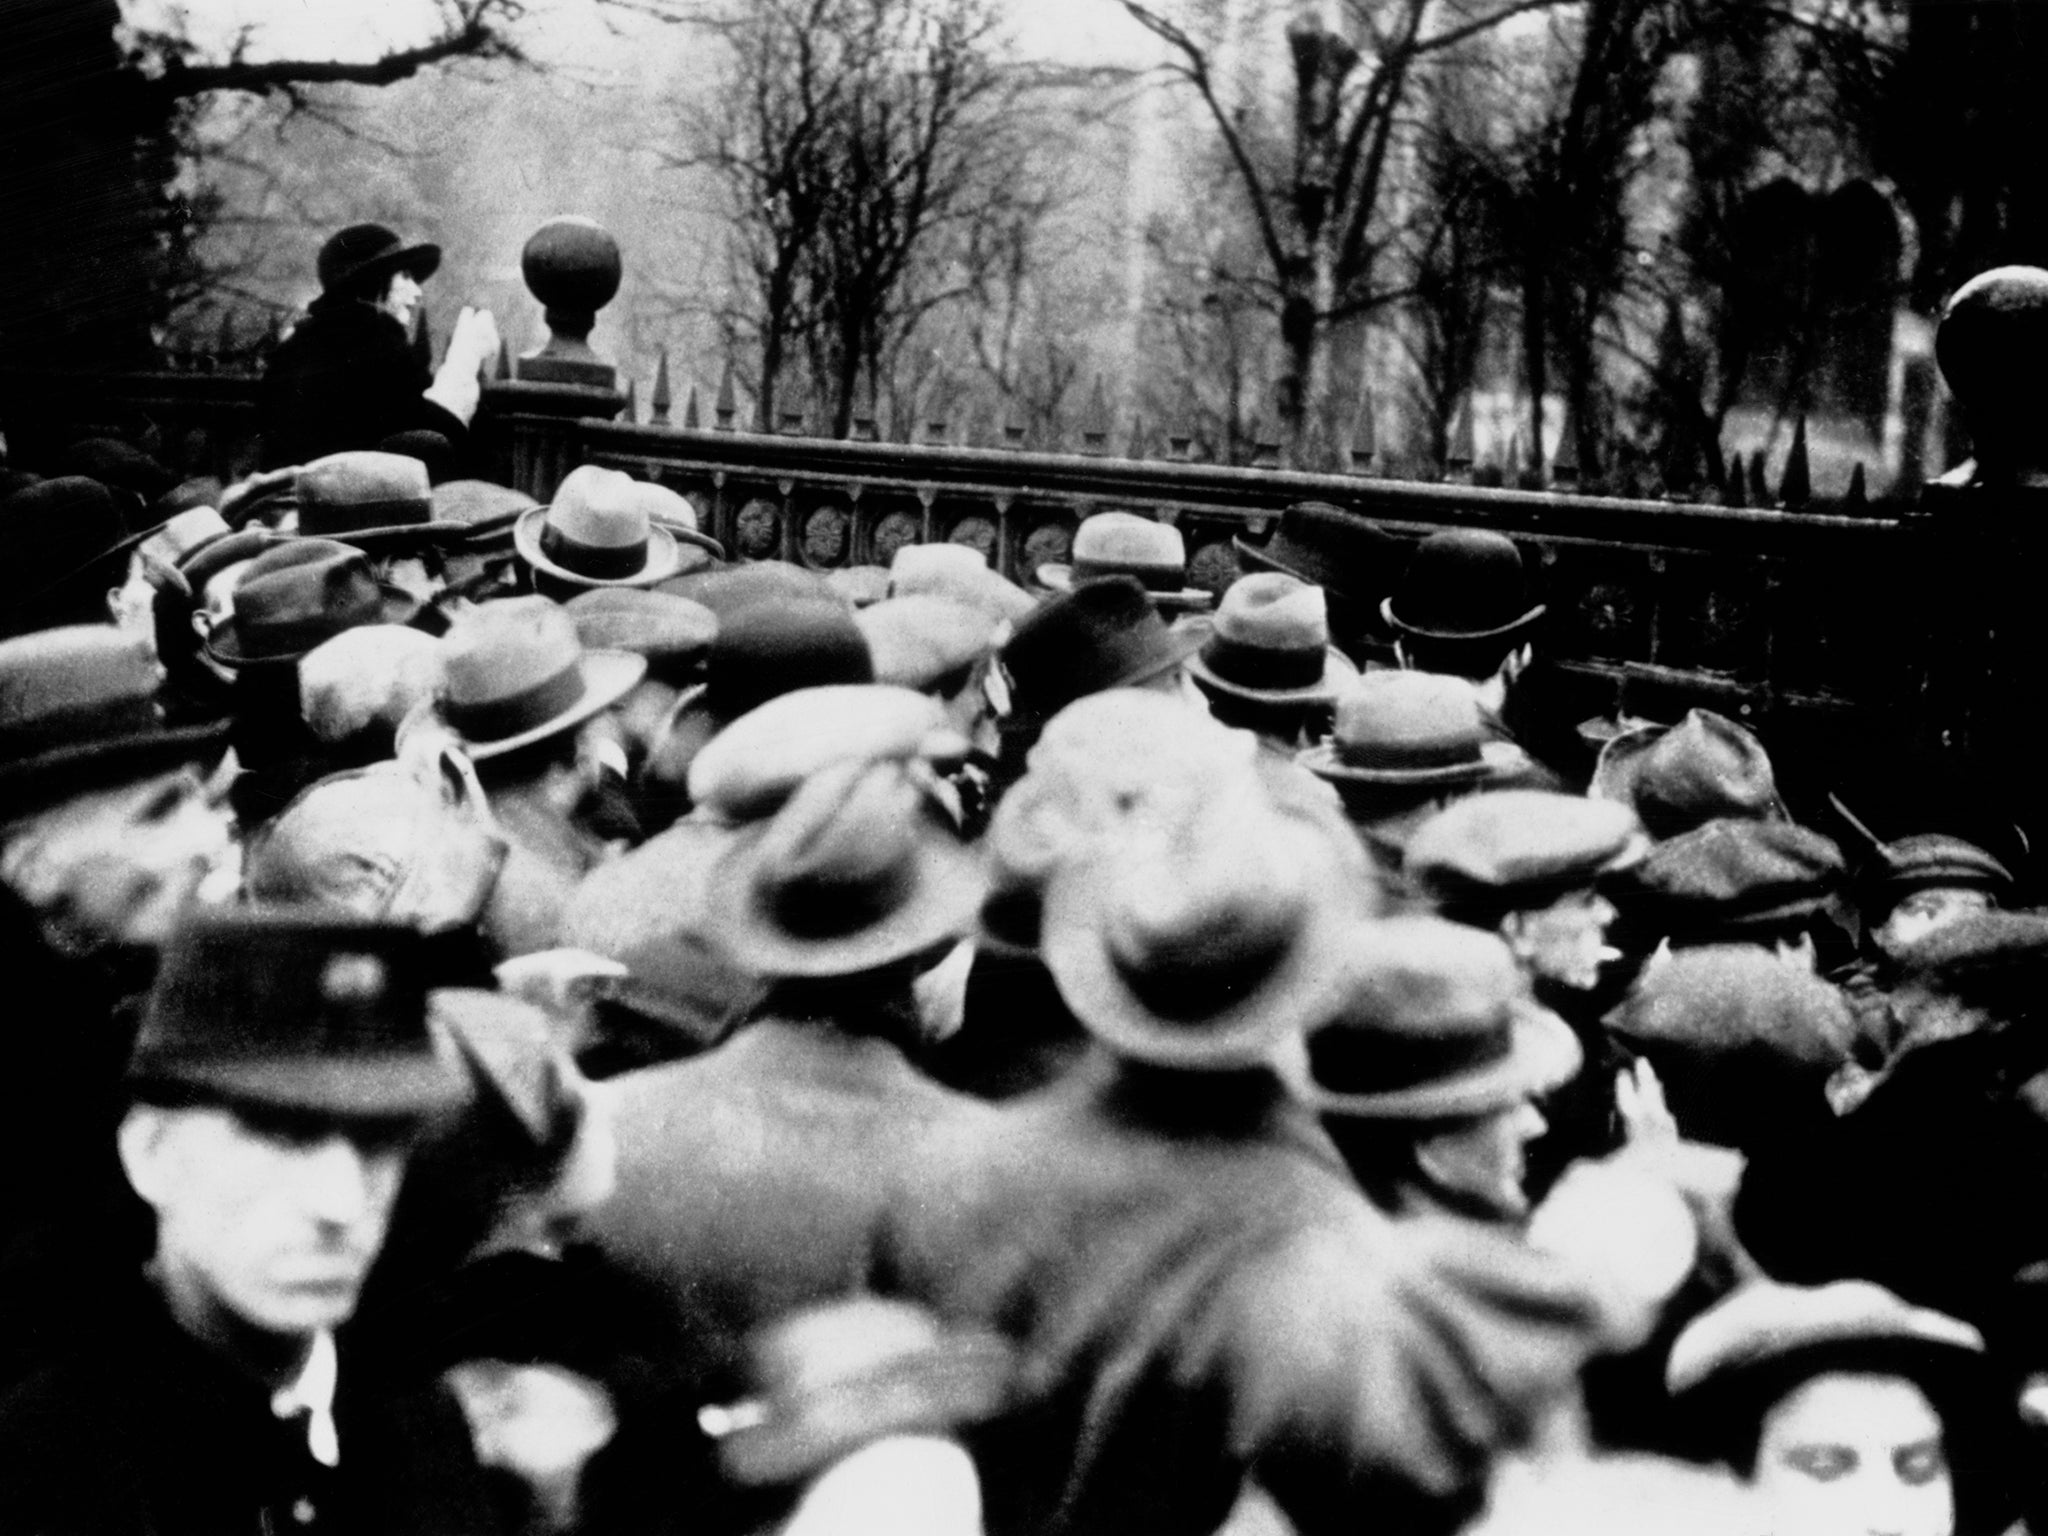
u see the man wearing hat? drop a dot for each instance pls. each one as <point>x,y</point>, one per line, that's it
<point>1268,665</point>
<point>1197,1291</point>
<point>600,531</point>
<point>1152,553</point>
<point>282,1075</point>
<point>346,376</point>
<point>1678,777</point>
<point>1353,560</point>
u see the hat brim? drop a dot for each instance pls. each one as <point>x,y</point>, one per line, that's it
<point>1543,1055</point>
<point>224,641</point>
<point>608,676</point>
<point>1246,1031</point>
<point>398,535</point>
<point>1060,578</point>
<point>664,552</point>
<point>1174,650</point>
<point>1497,632</point>
<point>945,894</point>
<point>1339,672</point>
<point>410,1085</point>
<point>33,783</point>
<point>1496,758</point>
<point>422,261</point>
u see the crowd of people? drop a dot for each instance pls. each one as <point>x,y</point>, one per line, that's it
<point>524,1024</point>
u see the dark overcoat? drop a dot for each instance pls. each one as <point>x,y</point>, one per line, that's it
<point>345,379</point>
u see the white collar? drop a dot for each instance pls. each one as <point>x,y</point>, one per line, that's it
<point>312,1393</point>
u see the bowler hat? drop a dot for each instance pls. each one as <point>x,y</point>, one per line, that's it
<point>751,768</point>
<point>371,500</point>
<point>673,633</point>
<point>1519,848</point>
<point>1436,1021</point>
<point>1462,584</point>
<point>1270,641</point>
<point>1764,1322</point>
<point>1675,777</point>
<point>854,872</point>
<point>361,254</point>
<point>926,642</point>
<point>295,1011</point>
<point>1202,945</point>
<point>1396,728</point>
<point>1098,634</point>
<point>1124,544</point>
<point>78,709</point>
<point>60,538</point>
<point>1727,876</point>
<point>597,533</point>
<point>836,1376</point>
<point>292,597</point>
<point>513,673</point>
<point>1348,556</point>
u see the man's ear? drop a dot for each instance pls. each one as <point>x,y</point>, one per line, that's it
<point>142,1142</point>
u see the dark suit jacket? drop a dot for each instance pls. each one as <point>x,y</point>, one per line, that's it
<point>138,1430</point>
<point>1196,1300</point>
<point>346,378</point>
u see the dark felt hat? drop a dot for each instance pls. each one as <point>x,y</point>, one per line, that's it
<point>295,1011</point>
<point>1677,776</point>
<point>293,597</point>
<point>376,501</point>
<point>1463,584</point>
<point>61,537</point>
<point>363,253</point>
<point>117,464</point>
<point>1348,556</point>
<point>78,710</point>
<point>1728,876</point>
<point>857,870</point>
<point>1436,1021</point>
<point>1099,634</point>
<point>514,673</point>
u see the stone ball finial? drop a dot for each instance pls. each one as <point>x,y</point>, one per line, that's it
<point>571,264</point>
<point>1992,343</point>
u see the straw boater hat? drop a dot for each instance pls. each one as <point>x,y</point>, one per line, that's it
<point>597,533</point>
<point>1410,730</point>
<point>375,501</point>
<point>853,873</point>
<point>513,673</point>
<point>1436,1022</point>
<point>1270,643</point>
<point>1203,946</point>
<point>1125,544</point>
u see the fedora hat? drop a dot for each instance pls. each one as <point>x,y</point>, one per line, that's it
<point>295,1011</point>
<point>361,254</point>
<point>751,768</point>
<point>1520,848</point>
<point>1436,1022</point>
<point>62,538</point>
<point>854,872</point>
<point>1348,556</point>
<point>1730,875</point>
<point>1270,641</point>
<point>513,673</point>
<point>372,500</point>
<point>1764,1321</point>
<point>1462,584</point>
<point>925,642</point>
<point>1676,777</point>
<point>1125,544</point>
<point>295,595</point>
<point>78,710</point>
<point>1202,945</point>
<point>834,1377</point>
<point>671,509</point>
<point>673,633</point>
<point>1098,634</point>
<point>1413,729</point>
<point>488,511</point>
<point>597,533</point>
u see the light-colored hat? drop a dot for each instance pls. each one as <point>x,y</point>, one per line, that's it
<point>1125,544</point>
<point>1203,946</point>
<point>367,679</point>
<point>751,768</point>
<point>921,641</point>
<point>185,534</point>
<point>598,533</point>
<point>1524,847</point>
<point>1271,642</point>
<point>958,571</point>
<point>1436,1021</point>
<point>1764,1321</point>
<point>513,673</point>
<point>370,499</point>
<point>1410,728</point>
<point>854,872</point>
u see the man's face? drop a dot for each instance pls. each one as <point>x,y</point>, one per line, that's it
<point>1565,941</point>
<point>272,1219</point>
<point>1924,911</point>
<point>1848,1453</point>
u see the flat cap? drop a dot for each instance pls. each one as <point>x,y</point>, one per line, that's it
<point>1730,874</point>
<point>1522,842</point>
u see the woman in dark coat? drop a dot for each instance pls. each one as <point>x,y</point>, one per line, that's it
<point>347,377</point>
